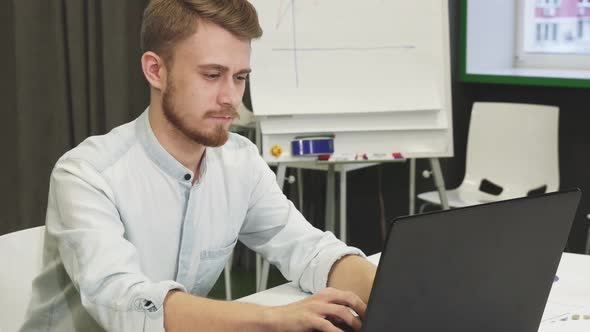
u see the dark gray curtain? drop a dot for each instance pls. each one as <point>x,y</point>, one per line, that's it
<point>71,69</point>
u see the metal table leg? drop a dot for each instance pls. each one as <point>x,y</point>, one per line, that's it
<point>439,181</point>
<point>262,278</point>
<point>343,174</point>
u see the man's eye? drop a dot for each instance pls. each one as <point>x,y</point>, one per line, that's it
<point>242,77</point>
<point>211,76</point>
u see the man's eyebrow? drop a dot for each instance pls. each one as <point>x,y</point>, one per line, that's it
<point>244,71</point>
<point>214,66</point>
<point>223,69</point>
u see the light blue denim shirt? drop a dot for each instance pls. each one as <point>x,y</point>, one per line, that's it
<point>125,225</point>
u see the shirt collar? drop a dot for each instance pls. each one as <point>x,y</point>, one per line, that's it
<point>160,156</point>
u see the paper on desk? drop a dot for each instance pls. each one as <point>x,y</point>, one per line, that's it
<point>570,294</point>
<point>568,325</point>
<point>557,311</point>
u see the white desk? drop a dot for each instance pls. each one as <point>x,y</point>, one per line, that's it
<point>570,295</point>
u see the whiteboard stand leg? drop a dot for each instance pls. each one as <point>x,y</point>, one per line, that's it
<point>264,276</point>
<point>300,188</point>
<point>412,186</point>
<point>227,277</point>
<point>258,270</point>
<point>262,273</point>
<point>330,193</point>
<point>258,139</point>
<point>439,181</point>
<point>343,205</point>
<point>281,170</point>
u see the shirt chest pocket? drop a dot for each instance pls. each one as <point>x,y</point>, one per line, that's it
<point>210,267</point>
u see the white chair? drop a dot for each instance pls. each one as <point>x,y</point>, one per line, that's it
<point>21,255</point>
<point>512,149</point>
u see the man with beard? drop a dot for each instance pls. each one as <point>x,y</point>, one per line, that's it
<point>141,221</point>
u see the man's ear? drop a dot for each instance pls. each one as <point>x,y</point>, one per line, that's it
<point>154,70</point>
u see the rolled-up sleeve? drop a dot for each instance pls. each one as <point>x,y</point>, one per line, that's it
<point>102,264</point>
<point>277,230</point>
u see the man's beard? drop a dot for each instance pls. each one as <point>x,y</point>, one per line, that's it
<point>216,137</point>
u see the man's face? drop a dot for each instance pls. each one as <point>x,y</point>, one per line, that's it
<point>205,85</point>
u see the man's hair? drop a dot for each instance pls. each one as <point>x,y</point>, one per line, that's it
<point>168,22</point>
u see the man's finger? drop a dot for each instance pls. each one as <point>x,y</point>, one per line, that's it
<point>348,299</point>
<point>345,327</point>
<point>342,314</point>
<point>323,325</point>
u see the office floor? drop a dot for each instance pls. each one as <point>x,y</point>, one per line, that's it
<point>244,282</point>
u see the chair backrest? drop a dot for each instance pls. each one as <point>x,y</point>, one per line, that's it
<point>21,255</point>
<point>514,146</point>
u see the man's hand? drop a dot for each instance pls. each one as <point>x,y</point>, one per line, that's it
<point>326,310</point>
<point>355,274</point>
<point>322,311</point>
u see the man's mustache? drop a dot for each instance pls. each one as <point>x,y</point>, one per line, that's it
<point>228,111</point>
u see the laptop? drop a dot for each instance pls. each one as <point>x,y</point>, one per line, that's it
<point>482,268</point>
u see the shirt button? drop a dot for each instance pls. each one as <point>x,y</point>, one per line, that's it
<point>187,176</point>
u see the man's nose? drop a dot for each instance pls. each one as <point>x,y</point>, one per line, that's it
<point>230,93</point>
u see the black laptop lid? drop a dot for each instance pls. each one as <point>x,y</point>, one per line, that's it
<point>482,268</point>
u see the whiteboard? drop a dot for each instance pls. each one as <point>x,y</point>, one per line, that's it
<point>362,70</point>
